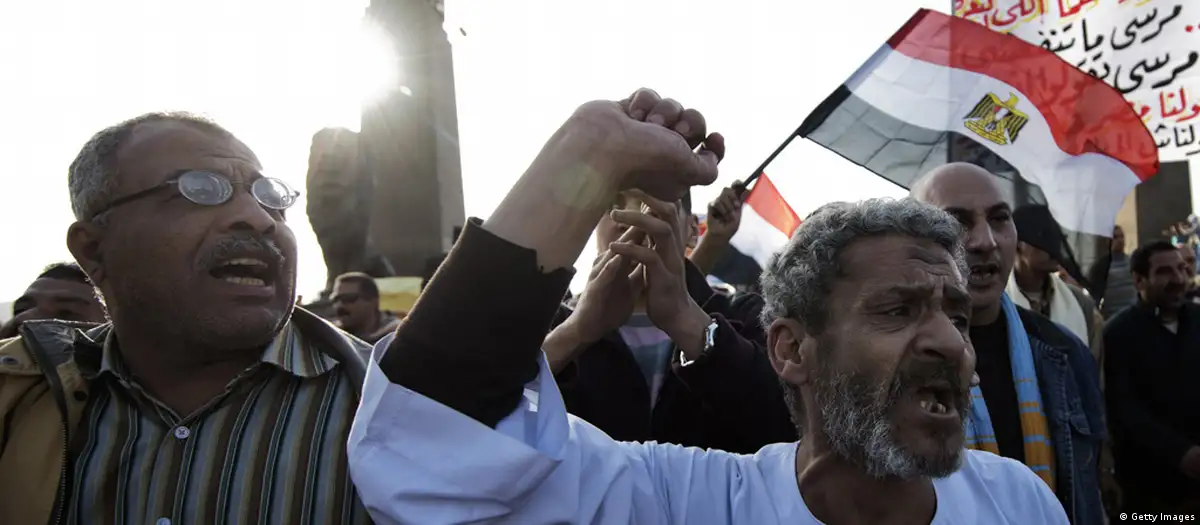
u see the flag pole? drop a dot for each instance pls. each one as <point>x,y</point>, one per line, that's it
<point>754,176</point>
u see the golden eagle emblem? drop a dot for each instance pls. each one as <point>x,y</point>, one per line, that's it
<point>996,120</point>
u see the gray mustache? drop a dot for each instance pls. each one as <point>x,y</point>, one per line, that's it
<point>244,246</point>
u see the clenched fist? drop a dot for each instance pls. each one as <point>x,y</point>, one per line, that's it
<point>651,143</point>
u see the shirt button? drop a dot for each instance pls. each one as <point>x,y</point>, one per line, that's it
<point>181,433</point>
<point>163,521</point>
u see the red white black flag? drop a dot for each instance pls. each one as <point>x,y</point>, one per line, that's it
<point>944,89</point>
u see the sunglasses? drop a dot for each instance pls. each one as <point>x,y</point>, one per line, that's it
<point>346,298</point>
<point>213,189</point>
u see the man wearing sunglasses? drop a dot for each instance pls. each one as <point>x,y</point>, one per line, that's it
<point>356,304</point>
<point>208,397</point>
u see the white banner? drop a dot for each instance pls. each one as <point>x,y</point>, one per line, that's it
<point>1149,50</point>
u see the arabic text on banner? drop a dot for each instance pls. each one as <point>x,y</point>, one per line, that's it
<point>1148,49</point>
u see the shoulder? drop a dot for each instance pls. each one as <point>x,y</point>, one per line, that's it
<point>1041,328</point>
<point>996,469</point>
<point>1123,320</point>
<point>15,358</point>
<point>1016,490</point>
<point>51,342</point>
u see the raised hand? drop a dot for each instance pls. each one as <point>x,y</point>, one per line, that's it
<point>668,304</point>
<point>655,144</point>
<point>608,299</point>
<point>725,213</point>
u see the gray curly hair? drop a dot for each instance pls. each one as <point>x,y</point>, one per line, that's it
<point>798,280</point>
<point>92,177</point>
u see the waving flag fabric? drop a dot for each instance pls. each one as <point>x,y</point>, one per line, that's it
<point>767,223</point>
<point>944,89</point>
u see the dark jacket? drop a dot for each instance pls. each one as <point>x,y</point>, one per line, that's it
<point>732,402</point>
<point>1154,400</point>
<point>1069,381</point>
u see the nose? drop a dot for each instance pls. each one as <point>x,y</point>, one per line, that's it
<point>244,213</point>
<point>980,237</point>
<point>940,339</point>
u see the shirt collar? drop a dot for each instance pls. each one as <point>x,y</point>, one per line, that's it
<point>290,351</point>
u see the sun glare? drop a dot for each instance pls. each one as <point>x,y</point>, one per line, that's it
<point>377,66</point>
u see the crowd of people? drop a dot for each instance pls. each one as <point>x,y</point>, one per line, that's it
<point>919,360</point>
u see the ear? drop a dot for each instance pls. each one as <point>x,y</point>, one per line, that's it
<point>790,349</point>
<point>1139,282</point>
<point>84,240</point>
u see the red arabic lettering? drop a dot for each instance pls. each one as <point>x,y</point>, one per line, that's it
<point>1195,113</point>
<point>977,7</point>
<point>1072,7</point>
<point>999,23</point>
<point>1177,106</point>
<point>1032,7</point>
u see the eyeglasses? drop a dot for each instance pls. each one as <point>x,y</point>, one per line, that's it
<point>213,189</point>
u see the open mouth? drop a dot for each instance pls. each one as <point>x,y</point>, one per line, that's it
<point>984,274</point>
<point>246,271</point>
<point>936,399</point>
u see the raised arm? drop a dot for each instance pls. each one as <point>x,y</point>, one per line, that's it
<point>472,340</point>
<point>460,419</point>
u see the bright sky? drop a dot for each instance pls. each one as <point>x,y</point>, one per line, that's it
<point>275,71</point>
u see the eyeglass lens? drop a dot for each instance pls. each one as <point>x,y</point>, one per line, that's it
<point>210,189</point>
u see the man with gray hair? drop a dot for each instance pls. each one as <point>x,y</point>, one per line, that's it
<point>868,314</point>
<point>207,398</point>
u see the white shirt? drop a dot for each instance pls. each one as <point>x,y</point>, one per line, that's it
<point>415,461</point>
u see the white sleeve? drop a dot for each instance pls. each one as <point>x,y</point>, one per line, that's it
<point>414,460</point>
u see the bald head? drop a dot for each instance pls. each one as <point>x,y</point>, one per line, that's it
<point>956,177</point>
<point>971,194</point>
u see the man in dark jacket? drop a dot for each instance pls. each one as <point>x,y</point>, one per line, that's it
<point>621,356</point>
<point>1015,347</point>
<point>1151,368</point>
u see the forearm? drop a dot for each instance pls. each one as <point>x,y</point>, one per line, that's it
<point>563,345</point>
<point>472,340</point>
<point>709,252</point>
<point>555,206</point>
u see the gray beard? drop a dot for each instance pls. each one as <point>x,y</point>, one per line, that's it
<point>854,418</point>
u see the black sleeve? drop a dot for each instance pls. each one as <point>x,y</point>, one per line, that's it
<point>737,382</point>
<point>1125,409</point>
<point>472,340</point>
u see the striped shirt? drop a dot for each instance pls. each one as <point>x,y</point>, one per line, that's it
<point>1121,293</point>
<point>651,348</point>
<point>271,449</point>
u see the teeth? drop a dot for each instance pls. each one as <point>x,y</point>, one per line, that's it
<point>926,405</point>
<point>939,408</point>
<point>244,261</point>
<point>248,281</point>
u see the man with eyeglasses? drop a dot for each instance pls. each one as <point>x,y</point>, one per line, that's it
<point>209,397</point>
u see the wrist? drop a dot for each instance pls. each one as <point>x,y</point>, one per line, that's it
<point>688,330</point>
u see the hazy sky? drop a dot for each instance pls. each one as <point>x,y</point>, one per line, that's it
<point>275,71</point>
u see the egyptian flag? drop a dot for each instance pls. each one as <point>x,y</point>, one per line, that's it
<point>944,89</point>
<point>767,223</point>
